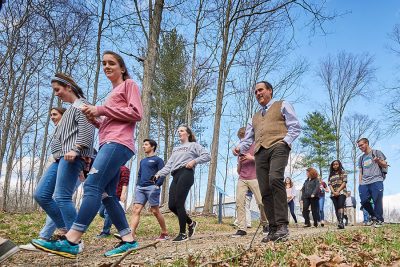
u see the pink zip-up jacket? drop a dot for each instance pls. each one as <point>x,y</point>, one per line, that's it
<point>121,110</point>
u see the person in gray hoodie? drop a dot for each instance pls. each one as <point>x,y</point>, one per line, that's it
<point>310,197</point>
<point>181,165</point>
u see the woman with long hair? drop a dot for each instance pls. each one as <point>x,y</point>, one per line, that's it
<point>337,183</point>
<point>291,195</point>
<point>310,197</point>
<point>116,120</point>
<point>71,144</point>
<point>181,165</point>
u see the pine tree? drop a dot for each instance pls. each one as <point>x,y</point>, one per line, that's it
<point>318,140</point>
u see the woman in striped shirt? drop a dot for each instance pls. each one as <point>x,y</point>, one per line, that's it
<point>72,142</point>
<point>116,120</point>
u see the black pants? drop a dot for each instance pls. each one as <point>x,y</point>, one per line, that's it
<point>291,208</point>
<point>270,170</point>
<point>314,202</point>
<point>338,203</point>
<point>178,192</point>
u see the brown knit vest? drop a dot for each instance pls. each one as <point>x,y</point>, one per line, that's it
<point>270,128</point>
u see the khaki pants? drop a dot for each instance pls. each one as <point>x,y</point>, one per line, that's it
<point>242,187</point>
<point>350,215</point>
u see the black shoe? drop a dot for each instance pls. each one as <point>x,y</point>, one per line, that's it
<point>265,229</point>
<point>281,233</point>
<point>180,238</point>
<point>315,224</point>
<point>239,233</point>
<point>192,228</point>
<point>340,226</point>
<point>307,225</point>
<point>271,233</point>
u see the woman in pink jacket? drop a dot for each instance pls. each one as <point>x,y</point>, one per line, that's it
<point>116,120</point>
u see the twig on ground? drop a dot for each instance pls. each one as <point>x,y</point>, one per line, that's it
<point>130,251</point>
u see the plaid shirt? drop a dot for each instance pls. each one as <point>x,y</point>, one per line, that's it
<point>123,180</point>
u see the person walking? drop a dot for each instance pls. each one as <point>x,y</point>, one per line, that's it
<point>247,181</point>
<point>272,129</point>
<point>47,231</point>
<point>310,197</point>
<point>71,145</point>
<point>321,202</point>
<point>116,120</point>
<point>337,183</point>
<point>149,190</point>
<point>350,205</point>
<point>181,165</point>
<point>121,194</point>
<point>372,172</point>
<point>291,195</point>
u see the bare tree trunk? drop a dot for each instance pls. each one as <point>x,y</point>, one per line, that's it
<point>209,200</point>
<point>98,55</point>
<point>148,72</point>
<point>189,110</point>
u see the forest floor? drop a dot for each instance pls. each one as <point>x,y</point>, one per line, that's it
<point>213,245</point>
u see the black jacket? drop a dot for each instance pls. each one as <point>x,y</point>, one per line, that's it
<point>310,187</point>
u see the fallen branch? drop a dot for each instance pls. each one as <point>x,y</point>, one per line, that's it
<point>129,252</point>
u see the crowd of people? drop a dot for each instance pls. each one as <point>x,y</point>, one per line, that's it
<point>262,153</point>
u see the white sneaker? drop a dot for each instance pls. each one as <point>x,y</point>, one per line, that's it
<point>29,247</point>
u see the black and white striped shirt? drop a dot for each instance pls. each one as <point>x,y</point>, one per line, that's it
<point>73,129</point>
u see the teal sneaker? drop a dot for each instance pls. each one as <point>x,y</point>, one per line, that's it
<point>59,247</point>
<point>121,248</point>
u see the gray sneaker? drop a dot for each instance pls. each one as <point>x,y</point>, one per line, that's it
<point>378,224</point>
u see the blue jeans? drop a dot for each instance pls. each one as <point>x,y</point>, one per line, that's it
<point>374,191</point>
<point>49,227</point>
<point>104,177</point>
<point>291,208</point>
<point>107,220</point>
<point>59,180</point>
<point>321,208</point>
<point>365,215</point>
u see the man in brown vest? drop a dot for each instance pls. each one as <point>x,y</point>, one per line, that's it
<point>272,129</point>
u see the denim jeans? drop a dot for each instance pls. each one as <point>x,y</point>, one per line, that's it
<point>321,208</point>
<point>365,216</point>
<point>107,220</point>
<point>104,177</point>
<point>49,227</point>
<point>59,182</point>
<point>374,191</point>
<point>291,208</point>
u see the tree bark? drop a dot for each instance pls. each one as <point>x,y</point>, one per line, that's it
<point>148,73</point>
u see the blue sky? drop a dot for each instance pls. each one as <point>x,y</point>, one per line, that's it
<point>364,28</point>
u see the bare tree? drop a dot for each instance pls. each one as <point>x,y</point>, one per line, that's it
<point>393,106</point>
<point>344,77</point>
<point>355,127</point>
<point>152,36</point>
<point>236,22</point>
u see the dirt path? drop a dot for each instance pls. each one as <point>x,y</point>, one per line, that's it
<point>202,244</point>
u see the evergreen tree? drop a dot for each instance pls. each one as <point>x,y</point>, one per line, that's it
<point>318,140</point>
